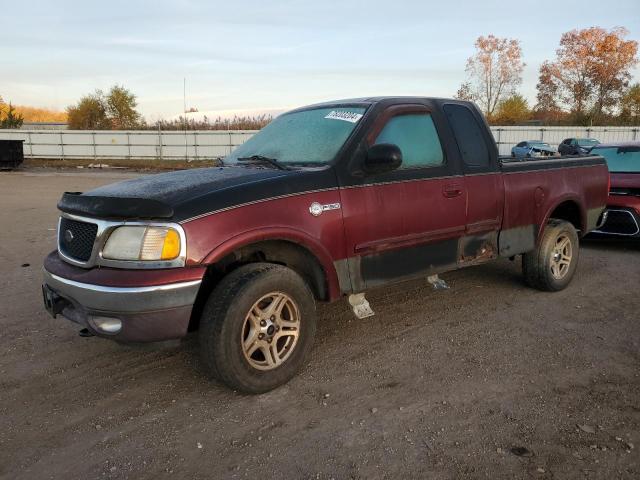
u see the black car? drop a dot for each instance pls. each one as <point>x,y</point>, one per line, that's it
<point>577,146</point>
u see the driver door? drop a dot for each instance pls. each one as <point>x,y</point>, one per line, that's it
<point>407,222</point>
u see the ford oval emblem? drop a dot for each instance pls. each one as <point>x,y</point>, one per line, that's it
<point>315,209</point>
<point>68,236</point>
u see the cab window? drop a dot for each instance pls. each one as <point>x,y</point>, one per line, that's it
<point>469,136</point>
<point>416,136</point>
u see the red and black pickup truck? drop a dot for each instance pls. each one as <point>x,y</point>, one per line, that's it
<point>325,202</point>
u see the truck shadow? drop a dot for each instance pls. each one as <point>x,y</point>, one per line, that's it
<point>593,242</point>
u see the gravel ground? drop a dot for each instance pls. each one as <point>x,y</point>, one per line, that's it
<point>488,379</point>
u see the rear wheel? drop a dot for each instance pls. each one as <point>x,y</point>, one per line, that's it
<point>257,327</point>
<point>552,264</point>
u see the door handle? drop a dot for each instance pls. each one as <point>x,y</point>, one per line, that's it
<point>452,191</point>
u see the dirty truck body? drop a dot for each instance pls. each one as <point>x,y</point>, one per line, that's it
<point>327,201</point>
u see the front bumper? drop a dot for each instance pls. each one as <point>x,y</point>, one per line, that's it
<point>145,313</point>
<point>623,217</point>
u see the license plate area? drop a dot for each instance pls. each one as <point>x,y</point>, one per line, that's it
<point>53,303</point>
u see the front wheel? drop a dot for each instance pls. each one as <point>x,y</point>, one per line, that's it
<point>551,266</point>
<point>257,327</point>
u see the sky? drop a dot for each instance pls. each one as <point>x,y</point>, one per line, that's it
<point>258,56</point>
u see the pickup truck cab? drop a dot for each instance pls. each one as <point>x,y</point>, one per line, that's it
<point>326,202</point>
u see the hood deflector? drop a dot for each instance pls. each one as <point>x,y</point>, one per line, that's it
<point>113,207</point>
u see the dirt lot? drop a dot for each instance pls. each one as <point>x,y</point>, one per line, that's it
<point>439,384</point>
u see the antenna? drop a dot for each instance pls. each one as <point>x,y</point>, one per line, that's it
<point>184,116</point>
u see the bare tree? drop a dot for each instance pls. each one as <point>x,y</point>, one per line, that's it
<point>495,71</point>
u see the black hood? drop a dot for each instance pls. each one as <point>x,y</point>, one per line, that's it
<point>185,194</point>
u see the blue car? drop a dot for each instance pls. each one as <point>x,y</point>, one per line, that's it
<point>532,148</point>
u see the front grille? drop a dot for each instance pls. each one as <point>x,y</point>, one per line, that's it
<point>75,239</point>
<point>620,222</point>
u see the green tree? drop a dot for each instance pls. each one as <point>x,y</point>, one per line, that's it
<point>121,108</point>
<point>630,106</point>
<point>89,113</point>
<point>113,111</point>
<point>9,118</point>
<point>513,110</point>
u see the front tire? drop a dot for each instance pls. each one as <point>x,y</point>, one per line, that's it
<point>257,327</point>
<point>551,266</point>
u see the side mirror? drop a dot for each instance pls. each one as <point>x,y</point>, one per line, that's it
<point>381,158</point>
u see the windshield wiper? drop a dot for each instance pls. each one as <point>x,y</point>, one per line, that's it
<point>262,159</point>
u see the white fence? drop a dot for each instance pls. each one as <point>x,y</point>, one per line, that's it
<point>139,144</point>
<point>204,144</point>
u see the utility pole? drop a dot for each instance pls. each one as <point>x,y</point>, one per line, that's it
<point>184,121</point>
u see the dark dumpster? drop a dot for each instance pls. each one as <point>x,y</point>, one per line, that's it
<point>11,154</point>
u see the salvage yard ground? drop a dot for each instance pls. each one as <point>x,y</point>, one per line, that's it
<point>489,379</point>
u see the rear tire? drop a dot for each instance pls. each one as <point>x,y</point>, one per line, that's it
<point>551,266</point>
<point>257,327</point>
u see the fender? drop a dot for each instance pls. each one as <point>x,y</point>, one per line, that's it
<point>568,197</point>
<point>280,233</point>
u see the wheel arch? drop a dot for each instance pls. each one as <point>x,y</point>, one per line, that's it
<point>568,209</point>
<point>289,248</point>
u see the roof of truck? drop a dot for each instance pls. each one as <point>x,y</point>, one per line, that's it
<point>372,100</point>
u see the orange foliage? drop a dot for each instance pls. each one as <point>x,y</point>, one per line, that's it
<point>34,114</point>
<point>590,74</point>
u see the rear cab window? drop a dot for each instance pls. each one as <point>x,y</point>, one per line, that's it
<point>470,137</point>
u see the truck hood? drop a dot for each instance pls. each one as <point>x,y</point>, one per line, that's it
<point>184,194</point>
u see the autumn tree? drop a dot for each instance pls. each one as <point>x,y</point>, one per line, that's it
<point>464,92</point>
<point>494,71</point>
<point>590,74</point>
<point>90,113</point>
<point>9,118</point>
<point>512,111</point>
<point>114,111</point>
<point>630,106</point>
<point>120,105</point>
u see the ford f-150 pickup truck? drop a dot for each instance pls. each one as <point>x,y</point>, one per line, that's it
<point>326,202</point>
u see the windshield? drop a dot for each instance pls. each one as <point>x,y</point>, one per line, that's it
<point>620,159</point>
<point>587,142</point>
<point>308,137</point>
<point>539,144</point>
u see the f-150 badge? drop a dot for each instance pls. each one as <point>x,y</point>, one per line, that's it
<point>316,208</point>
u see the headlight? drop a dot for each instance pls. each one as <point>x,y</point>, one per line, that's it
<point>141,242</point>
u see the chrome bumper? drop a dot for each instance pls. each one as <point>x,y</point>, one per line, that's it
<point>143,314</point>
<point>124,299</point>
